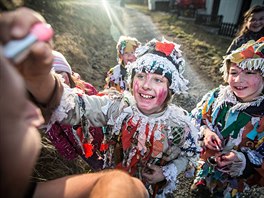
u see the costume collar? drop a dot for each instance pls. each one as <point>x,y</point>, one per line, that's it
<point>226,95</point>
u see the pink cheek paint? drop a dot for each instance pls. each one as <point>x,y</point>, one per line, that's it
<point>135,86</point>
<point>161,96</point>
<point>14,49</point>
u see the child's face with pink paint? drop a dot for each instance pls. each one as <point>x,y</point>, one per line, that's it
<point>150,92</point>
<point>246,84</point>
<point>128,57</point>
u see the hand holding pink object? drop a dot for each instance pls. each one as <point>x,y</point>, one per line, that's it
<point>16,49</point>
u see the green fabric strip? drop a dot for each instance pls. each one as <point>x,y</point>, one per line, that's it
<point>221,117</point>
<point>235,127</point>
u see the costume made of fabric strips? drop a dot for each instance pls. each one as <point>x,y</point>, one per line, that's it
<point>133,139</point>
<point>116,76</point>
<point>66,138</point>
<point>240,127</point>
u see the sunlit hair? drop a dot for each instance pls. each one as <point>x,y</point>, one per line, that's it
<point>126,44</point>
<point>255,9</point>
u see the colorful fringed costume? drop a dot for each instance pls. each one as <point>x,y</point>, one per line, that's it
<point>116,76</point>
<point>133,139</point>
<point>240,127</point>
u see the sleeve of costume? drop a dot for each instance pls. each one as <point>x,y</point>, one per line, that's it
<point>200,115</point>
<point>48,108</point>
<point>75,105</point>
<point>253,160</point>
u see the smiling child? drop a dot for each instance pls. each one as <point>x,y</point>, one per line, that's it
<point>231,121</point>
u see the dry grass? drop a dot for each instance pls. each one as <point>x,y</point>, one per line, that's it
<point>51,165</point>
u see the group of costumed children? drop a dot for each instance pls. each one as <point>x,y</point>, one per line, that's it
<point>146,135</point>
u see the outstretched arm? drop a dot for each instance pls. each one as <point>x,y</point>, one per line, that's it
<point>108,184</point>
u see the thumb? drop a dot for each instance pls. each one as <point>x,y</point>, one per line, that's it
<point>150,166</point>
<point>153,167</point>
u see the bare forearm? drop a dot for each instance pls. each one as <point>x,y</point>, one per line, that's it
<point>41,88</point>
<point>105,184</point>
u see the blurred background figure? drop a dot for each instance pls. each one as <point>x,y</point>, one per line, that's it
<point>251,29</point>
<point>126,47</point>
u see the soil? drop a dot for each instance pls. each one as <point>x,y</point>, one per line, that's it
<point>86,33</point>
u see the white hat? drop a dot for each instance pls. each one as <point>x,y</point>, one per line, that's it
<point>60,64</point>
<point>164,58</point>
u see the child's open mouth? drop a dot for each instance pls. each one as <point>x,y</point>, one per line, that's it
<point>240,88</point>
<point>146,96</point>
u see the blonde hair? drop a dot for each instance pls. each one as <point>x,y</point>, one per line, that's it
<point>126,44</point>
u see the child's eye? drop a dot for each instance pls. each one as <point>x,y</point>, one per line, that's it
<point>140,76</point>
<point>233,73</point>
<point>129,53</point>
<point>251,72</point>
<point>158,80</point>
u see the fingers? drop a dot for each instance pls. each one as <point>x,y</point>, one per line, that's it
<point>155,175</point>
<point>213,142</point>
<point>42,52</point>
<point>36,61</point>
<point>225,159</point>
<point>217,144</point>
<point>16,24</point>
<point>171,154</point>
<point>153,167</point>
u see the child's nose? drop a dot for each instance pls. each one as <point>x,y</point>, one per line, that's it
<point>132,58</point>
<point>146,84</point>
<point>240,77</point>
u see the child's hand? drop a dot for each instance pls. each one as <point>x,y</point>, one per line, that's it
<point>154,175</point>
<point>211,140</point>
<point>225,159</point>
<point>171,154</point>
